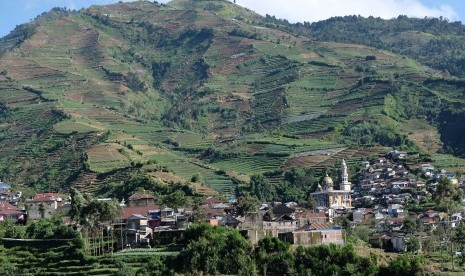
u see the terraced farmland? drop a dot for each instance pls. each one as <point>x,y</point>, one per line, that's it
<point>87,94</point>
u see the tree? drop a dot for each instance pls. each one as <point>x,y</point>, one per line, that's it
<point>247,203</point>
<point>215,250</point>
<point>406,265</point>
<point>333,260</point>
<point>447,195</point>
<point>274,257</point>
<point>262,188</point>
<point>412,243</point>
<point>459,239</point>
<point>77,204</point>
<point>41,210</point>
<point>409,226</point>
<point>175,199</point>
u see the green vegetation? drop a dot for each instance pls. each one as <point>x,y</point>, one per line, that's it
<point>213,94</point>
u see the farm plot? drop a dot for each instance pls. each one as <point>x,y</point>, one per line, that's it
<point>449,162</point>
<point>210,177</point>
<point>107,157</point>
<point>79,127</point>
<point>316,125</point>
<point>250,165</point>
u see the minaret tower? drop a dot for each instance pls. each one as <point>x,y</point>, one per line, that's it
<point>345,185</point>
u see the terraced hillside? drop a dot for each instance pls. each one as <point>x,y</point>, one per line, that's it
<point>63,258</point>
<point>196,88</point>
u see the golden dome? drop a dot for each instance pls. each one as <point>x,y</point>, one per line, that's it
<point>327,180</point>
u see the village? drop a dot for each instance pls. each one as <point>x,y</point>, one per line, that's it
<point>384,200</point>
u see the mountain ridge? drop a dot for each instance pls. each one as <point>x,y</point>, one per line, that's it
<point>214,89</point>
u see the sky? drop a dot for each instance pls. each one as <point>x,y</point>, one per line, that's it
<point>15,12</point>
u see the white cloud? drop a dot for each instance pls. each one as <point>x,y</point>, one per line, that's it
<point>315,10</point>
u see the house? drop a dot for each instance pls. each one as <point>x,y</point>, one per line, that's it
<point>399,243</point>
<point>137,232</point>
<point>209,201</point>
<point>431,218</point>
<point>230,222</point>
<point>456,219</point>
<point>141,199</point>
<point>309,216</point>
<point>397,154</point>
<point>281,223</point>
<point>314,234</point>
<point>395,209</point>
<point>127,212</point>
<point>282,209</point>
<point>380,240</point>
<point>358,215</point>
<point>4,188</point>
<point>8,211</point>
<point>394,224</point>
<point>43,205</point>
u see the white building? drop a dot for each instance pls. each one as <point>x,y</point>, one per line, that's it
<point>327,196</point>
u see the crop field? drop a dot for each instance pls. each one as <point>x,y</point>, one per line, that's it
<point>449,162</point>
<point>209,177</point>
<point>62,259</point>
<point>250,164</point>
<point>315,125</point>
<point>104,158</point>
<point>69,127</point>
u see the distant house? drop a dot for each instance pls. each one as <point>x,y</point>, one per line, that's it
<point>210,201</point>
<point>309,216</point>
<point>4,188</point>
<point>8,211</point>
<point>139,210</point>
<point>141,199</point>
<point>43,205</point>
<point>314,234</point>
<point>456,219</point>
<point>230,222</point>
<point>137,232</point>
<point>399,243</point>
<point>381,240</point>
<point>431,218</point>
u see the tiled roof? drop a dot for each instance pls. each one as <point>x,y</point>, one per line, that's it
<point>139,210</point>
<point>314,226</point>
<point>310,214</point>
<point>283,209</point>
<point>44,197</point>
<point>137,196</point>
<point>8,209</point>
<point>210,200</point>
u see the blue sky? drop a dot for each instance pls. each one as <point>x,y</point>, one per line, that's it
<point>15,12</point>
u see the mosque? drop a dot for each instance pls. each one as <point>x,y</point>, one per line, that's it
<point>326,196</point>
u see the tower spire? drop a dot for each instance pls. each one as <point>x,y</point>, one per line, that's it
<point>345,185</point>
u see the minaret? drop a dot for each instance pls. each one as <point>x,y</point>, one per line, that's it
<point>345,185</point>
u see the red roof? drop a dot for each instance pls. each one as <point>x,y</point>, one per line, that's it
<point>310,214</point>
<point>211,200</point>
<point>44,197</point>
<point>139,210</point>
<point>314,226</point>
<point>8,209</point>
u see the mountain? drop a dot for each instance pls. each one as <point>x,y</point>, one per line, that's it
<point>205,93</point>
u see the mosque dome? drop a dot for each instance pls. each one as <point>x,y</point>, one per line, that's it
<point>327,183</point>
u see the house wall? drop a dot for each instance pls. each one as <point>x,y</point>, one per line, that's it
<point>33,209</point>
<point>141,202</point>
<point>255,235</point>
<point>280,225</point>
